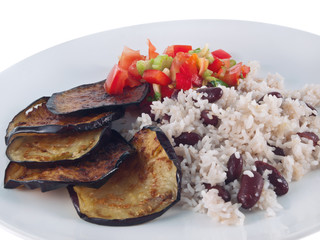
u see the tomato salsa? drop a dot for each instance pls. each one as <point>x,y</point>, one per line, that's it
<point>179,67</point>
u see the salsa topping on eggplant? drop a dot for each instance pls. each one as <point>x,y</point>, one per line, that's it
<point>180,67</point>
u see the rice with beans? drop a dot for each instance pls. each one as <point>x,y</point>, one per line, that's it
<point>248,128</point>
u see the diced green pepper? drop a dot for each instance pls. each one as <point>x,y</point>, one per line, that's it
<point>161,62</point>
<point>210,57</point>
<point>197,50</point>
<point>217,82</point>
<point>155,97</point>
<point>232,62</point>
<point>207,73</point>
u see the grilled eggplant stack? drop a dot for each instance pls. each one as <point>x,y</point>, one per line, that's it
<point>92,171</point>
<point>67,141</point>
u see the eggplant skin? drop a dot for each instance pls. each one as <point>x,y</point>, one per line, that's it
<point>37,119</point>
<point>145,186</point>
<point>91,97</point>
<point>93,171</point>
<point>45,150</point>
<point>114,222</point>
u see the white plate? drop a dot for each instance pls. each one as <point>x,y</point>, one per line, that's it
<point>37,215</point>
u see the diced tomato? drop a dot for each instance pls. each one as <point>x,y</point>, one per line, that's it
<point>128,56</point>
<point>166,91</point>
<point>156,76</point>
<point>152,50</point>
<point>221,54</point>
<point>226,63</point>
<point>178,60</point>
<point>132,82</point>
<point>189,67</point>
<point>196,80</point>
<point>245,70</point>
<point>183,82</point>
<point>133,71</point>
<point>190,70</point>
<point>174,49</point>
<point>169,51</point>
<point>220,74</point>
<point>215,66</point>
<point>232,75</point>
<point>203,65</point>
<point>116,80</point>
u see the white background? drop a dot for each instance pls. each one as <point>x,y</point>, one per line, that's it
<point>27,27</point>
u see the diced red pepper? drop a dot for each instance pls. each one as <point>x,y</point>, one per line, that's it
<point>183,82</point>
<point>215,66</point>
<point>181,48</point>
<point>116,80</point>
<point>156,76</point>
<point>221,54</point>
<point>174,49</point>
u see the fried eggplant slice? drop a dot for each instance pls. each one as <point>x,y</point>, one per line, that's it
<point>145,186</point>
<point>89,97</point>
<point>45,149</point>
<point>36,118</point>
<point>92,171</point>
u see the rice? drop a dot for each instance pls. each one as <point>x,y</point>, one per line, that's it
<point>246,127</point>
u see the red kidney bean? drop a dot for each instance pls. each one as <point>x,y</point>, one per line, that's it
<point>187,138</point>
<point>276,94</point>
<point>222,192</point>
<point>280,184</point>
<point>213,93</point>
<point>174,94</point>
<point>311,136</point>
<point>312,108</point>
<point>180,158</point>
<point>166,117</point>
<point>250,189</point>
<point>277,150</point>
<point>209,119</point>
<point>234,165</point>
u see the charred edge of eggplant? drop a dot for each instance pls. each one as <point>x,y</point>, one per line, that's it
<point>47,129</point>
<point>43,185</point>
<point>29,106</point>
<point>106,133</point>
<point>114,222</point>
<point>47,185</point>
<point>51,101</point>
<point>165,143</point>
